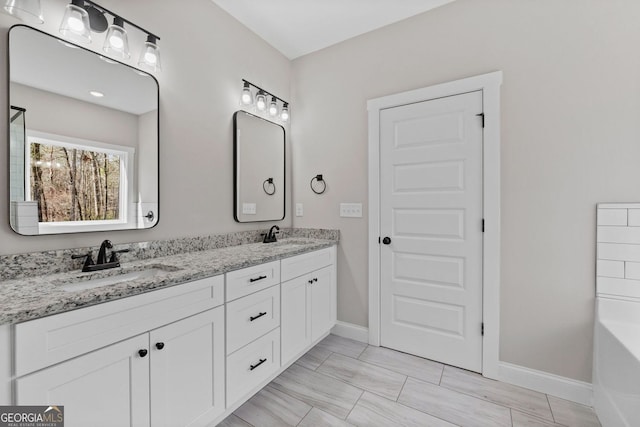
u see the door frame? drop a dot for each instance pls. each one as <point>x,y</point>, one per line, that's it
<point>489,84</point>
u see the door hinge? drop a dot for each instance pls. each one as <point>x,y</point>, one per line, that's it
<point>483,225</point>
<point>481,115</point>
<point>482,328</point>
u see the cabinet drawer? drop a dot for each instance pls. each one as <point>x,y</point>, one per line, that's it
<point>252,365</point>
<point>302,264</point>
<point>251,317</point>
<point>252,279</point>
<point>49,340</point>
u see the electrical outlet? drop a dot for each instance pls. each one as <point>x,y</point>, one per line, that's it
<point>249,208</point>
<point>299,209</point>
<point>351,210</point>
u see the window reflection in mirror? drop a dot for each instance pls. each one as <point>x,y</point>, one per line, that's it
<point>83,139</point>
<point>259,147</point>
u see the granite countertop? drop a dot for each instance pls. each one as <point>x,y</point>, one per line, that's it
<point>36,297</point>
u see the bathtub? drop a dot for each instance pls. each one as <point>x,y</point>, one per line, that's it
<point>616,364</point>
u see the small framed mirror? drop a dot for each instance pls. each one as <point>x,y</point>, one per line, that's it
<point>259,172</point>
<point>83,139</point>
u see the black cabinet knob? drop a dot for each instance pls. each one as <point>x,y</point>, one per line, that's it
<point>310,281</point>
<point>386,240</point>
<point>159,345</point>
<point>142,352</point>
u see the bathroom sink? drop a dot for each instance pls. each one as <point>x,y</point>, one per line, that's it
<point>95,281</point>
<point>289,243</point>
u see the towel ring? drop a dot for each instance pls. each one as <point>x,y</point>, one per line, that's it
<point>318,178</point>
<point>267,184</point>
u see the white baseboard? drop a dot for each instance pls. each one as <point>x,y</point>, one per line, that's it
<point>544,382</point>
<point>351,331</point>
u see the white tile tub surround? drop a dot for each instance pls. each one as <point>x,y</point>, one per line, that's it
<point>618,250</point>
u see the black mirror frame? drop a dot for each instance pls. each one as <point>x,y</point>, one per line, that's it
<point>235,168</point>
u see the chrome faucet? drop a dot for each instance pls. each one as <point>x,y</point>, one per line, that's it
<point>270,237</point>
<point>101,262</point>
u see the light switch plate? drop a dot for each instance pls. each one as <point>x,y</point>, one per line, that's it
<point>299,209</point>
<point>351,210</point>
<point>249,208</point>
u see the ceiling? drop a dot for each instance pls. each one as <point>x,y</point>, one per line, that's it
<point>299,27</point>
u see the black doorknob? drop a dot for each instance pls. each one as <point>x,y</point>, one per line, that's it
<point>386,240</point>
<point>142,352</point>
<point>159,345</point>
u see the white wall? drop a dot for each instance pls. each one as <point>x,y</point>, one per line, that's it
<point>570,138</point>
<point>205,54</point>
<point>74,118</point>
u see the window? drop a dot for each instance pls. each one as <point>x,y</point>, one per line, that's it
<point>79,185</point>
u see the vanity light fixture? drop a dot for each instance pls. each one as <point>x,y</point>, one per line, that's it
<point>265,102</point>
<point>28,11</point>
<point>83,17</point>
<point>75,23</point>
<point>116,42</point>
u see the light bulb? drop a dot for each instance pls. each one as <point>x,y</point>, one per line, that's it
<point>116,41</point>
<point>284,115</point>
<point>75,22</point>
<point>261,101</point>
<point>273,107</point>
<point>151,57</point>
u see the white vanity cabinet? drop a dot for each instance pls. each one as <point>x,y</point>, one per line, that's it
<point>186,355</point>
<point>308,301</point>
<point>172,375</point>
<point>109,386</point>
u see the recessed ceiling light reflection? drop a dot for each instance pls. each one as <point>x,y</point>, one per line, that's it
<point>96,93</point>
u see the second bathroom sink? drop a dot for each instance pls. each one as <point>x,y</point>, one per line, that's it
<point>85,283</point>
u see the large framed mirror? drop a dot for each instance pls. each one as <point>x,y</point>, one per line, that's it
<point>83,139</point>
<point>259,179</point>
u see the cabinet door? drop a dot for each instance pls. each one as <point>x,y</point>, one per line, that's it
<point>322,302</point>
<point>108,387</point>
<point>295,324</point>
<point>187,371</point>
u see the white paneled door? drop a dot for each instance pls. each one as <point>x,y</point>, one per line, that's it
<point>431,228</point>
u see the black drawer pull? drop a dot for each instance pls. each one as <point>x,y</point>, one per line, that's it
<point>252,318</point>
<point>315,279</point>
<point>311,281</point>
<point>257,278</point>
<point>252,367</point>
<point>159,345</point>
<point>143,352</point>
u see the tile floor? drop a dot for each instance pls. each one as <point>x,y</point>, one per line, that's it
<point>341,382</point>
